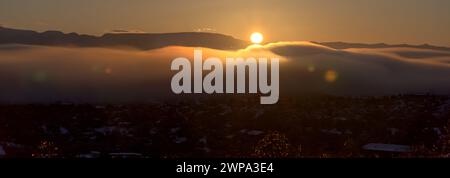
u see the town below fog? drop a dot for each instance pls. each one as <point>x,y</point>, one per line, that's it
<point>231,127</point>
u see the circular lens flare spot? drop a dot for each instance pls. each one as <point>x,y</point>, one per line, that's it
<point>311,68</point>
<point>331,76</point>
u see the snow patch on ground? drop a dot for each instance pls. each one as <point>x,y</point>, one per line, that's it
<point>2,151</point>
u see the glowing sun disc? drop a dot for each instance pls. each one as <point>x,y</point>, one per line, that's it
<point>256,37</point>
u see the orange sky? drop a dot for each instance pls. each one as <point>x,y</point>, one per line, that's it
<point>370,21</point>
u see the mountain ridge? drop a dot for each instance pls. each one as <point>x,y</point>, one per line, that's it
<point>146,41</point>
<point>346,45</point>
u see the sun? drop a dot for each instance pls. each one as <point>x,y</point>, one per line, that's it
<point>256,38</point>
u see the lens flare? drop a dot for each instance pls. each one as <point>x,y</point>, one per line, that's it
<point>331,76</point>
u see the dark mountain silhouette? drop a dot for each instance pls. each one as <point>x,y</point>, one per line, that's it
<point>147,41</point>
<point>137,40</point>
<point>344,45</point>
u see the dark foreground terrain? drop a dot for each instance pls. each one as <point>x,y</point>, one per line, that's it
<point>412,125</point>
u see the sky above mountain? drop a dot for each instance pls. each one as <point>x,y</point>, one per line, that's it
<point>399,21</point>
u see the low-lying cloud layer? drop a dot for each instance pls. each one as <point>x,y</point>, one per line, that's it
<point>49,74</point>
<point>364,71</point>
